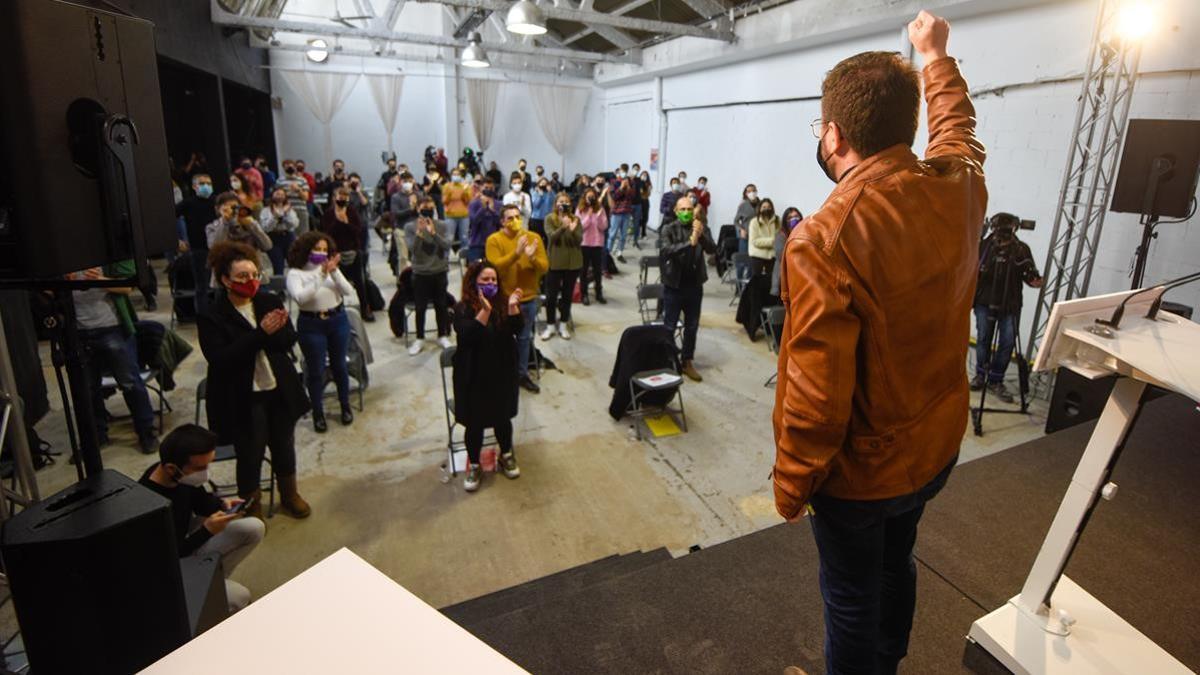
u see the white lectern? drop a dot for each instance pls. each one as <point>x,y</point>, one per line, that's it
<point>1054,626</point>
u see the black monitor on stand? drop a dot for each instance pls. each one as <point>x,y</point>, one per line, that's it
<point>1160,166</point>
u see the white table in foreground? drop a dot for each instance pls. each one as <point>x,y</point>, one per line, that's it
<point>339,616</point>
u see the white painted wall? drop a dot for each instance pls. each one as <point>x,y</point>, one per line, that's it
<point>738,135</point>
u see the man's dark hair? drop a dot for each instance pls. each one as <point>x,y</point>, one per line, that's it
<point>875,98</point>
<point>225,197</point>
<point>184,441</point>
<point>624,167</point>
<point>487,180</point>
<point>509,207</point>
<point>224,254</point>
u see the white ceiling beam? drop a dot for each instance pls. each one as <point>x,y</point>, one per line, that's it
<point>724,34</point>
<point>223,18</point>
<point>583,71</point>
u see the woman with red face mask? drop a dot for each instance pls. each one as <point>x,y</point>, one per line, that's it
<point>254,396</point>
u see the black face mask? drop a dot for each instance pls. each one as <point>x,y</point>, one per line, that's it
<point>427,213</point>
<point>767,213</point>
<point>342,202</point>
<point>289,170</point>
<point>564,207</point>
<point>821,162</point>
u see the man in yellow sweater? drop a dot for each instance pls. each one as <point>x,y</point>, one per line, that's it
<point>520,259</point>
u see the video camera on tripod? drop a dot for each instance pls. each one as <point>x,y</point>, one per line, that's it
<point>1004,257</point>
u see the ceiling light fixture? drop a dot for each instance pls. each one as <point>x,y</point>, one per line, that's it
<point>474,56</point>
<point>318,51</point>
<point>525,18</point>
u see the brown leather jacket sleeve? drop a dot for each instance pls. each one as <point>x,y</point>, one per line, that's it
<point>813,400</point>
<point>951,113</point>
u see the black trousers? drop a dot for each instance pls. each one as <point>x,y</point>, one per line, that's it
<point>538,225</point>
<point>560,287</point>
<point>593,260</point>
<point>474,439</point>
<point>357,278</point>
<point>759,266</point>
<point>270,426</point>
<point>431,288</point>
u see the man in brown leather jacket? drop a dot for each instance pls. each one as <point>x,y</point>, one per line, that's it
<point>878,283</point>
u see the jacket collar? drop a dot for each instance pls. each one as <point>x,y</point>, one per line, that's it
<point>882,163</point>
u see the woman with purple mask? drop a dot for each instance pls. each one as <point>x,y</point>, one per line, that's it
<point>487,322</point>
<point>320,289</point>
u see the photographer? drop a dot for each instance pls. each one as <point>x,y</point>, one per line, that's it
<point>1004,262</point>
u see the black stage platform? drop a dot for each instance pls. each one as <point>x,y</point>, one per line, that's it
<point>751,605</point>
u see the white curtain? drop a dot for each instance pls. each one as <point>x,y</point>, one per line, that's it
<point>560,112</point>
<point>324,94</point>
<point>482,96</point>
<point>385,89</point>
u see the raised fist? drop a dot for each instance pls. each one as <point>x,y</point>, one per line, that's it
<point>929,35</point>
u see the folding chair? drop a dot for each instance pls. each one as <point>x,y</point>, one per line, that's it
<point>650,313</point>
<point>452,445</point>
<point>651,393</point>
<point>740,261</point>
<point>108,387</point>
<point>226,453</point>
<point>772,319</point>
<point>647,263</point>
<point>180,295</point>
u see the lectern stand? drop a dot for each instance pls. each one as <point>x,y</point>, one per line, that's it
<point>1054,626</point>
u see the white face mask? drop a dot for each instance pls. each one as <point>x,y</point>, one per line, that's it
<point>456,179</point>
<point>197,479</point>
<point>702,186</point>
<point>407,187</point>
<point>752,195</point>
<point>516,187</point>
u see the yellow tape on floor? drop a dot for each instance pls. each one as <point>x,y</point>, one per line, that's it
<point>663,425</point>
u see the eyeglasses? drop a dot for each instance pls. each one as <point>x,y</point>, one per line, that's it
<point>817,126</point>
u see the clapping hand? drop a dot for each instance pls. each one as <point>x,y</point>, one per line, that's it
<point>514,302</point>
<point>530,249</point>
<point>273,321</point>
<point>331,263</point>
<point>484,303</point>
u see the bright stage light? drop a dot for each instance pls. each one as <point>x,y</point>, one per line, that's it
<point>1135,20</point>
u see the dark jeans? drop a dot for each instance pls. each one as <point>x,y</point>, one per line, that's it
<point>560,287</point>
<point>280,243</point>
<point>760,266</point>
<point>320,339</point>
<point>474,439</point>
<point>593,259</point>
<point>200,276</point>
<point>743,247</point>
<point>475,253</point>
<point>987,321</point>
<point>868,577</point>
<point>429,288</point>
<point>270,426</point>
<point>688,301</point>
<point>110,351</point>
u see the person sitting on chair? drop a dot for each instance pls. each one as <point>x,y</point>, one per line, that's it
<point>485,367</point>
<point>180,476</point>
<point>1004,262</point>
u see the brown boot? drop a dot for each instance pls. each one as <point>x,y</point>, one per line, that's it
<point>689,369</point>
<point>255,510</point>
<point>290,500</point>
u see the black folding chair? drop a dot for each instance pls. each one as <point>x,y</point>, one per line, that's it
<point>772,322</point>
<point>226,453</point>
<point>446,361</point>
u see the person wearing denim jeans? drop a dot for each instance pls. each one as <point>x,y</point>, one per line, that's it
<point>456,201</point>
<point>278,219</point>
<point>520,260</point>
<point>111,349</point>
<point>320,289</point>
<point>622,198</point>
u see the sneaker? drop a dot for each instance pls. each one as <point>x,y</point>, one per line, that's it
<point>471,480</point>
<point>689,369</point>
<point>444,342</point>
<point>415,347</point>
<point>600,299</point>
<point>564,332</point>
<point>977,383</point>
<point>508,462</point>
<point>621,258</point>
<point>529,385</point>
<point>1001,392</point>
<point>547,332</point>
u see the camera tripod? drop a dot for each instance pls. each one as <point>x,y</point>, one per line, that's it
<point>1002,264</point>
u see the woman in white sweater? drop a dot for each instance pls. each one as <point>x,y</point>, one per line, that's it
<point>320,289</point>
<point>763,228</point>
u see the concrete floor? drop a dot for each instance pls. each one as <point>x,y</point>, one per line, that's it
<point>588,488</point>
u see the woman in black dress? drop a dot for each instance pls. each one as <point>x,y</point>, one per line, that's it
<point>254,395</point>
<point>485,366</point>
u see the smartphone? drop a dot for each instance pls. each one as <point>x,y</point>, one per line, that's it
<point>238,508</point>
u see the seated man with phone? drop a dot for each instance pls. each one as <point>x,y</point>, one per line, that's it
<point>180,476</point>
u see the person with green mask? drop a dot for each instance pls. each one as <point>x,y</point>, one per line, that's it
<point>685,241</point>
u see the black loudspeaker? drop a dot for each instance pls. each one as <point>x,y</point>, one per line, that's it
<point>1076,399</point>
<point>95,578</point>
<point>65,69</point>
<point>1178,142</point>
